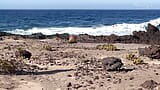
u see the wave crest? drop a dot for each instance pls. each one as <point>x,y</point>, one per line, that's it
<point>118,29</point>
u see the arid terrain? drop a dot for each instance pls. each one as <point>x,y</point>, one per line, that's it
<point>58,65</point>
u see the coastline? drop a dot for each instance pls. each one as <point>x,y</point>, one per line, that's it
<point>60,63</point>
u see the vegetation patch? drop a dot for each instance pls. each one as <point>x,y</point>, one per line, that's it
<point>136,60</point>
<point>108,47</point>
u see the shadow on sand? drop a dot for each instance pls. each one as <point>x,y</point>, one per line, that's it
<point>43,72</point>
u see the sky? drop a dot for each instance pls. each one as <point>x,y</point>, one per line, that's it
<point>79,4</point>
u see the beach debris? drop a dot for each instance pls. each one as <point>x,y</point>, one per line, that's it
<point>72,39</point>
<point>136,60</point>
<point>149,84</point>
<point>108,47</point>
<point>112,63</point>
<point>152,52</point>
<point>23,53</point>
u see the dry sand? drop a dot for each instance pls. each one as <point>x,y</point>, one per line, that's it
<point>61,66</point>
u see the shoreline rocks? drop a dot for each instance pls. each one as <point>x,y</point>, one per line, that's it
<point>150,36</point>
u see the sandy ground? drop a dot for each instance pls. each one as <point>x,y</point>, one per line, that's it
<point>61,67</point>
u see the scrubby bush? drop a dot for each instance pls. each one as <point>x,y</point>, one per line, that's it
<point>136,60</point>
<point>47,47</point>
<point>7,67</point>
<point>130,56</point>
<point>108,47</point>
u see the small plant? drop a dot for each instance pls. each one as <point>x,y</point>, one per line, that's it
<point>130,57</point>
<point>108,47</point>
<point>47,47</point>
<point>136,60</point>
<point>19,48</point>
<point>7,67</point>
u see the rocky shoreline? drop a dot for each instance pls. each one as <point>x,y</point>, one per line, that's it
<point>150,36</point>
<point>58,62</point>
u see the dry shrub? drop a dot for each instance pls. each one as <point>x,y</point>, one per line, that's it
<point>108,47</point>
<point>136,60</point>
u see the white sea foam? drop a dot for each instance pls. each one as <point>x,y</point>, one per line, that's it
<point>118,29</point>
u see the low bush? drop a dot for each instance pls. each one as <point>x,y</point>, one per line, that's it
<point>108,47</point>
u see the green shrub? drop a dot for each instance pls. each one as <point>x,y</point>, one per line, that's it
<point>130,56</point>
<point>136,60</point>
<point>108,47</point>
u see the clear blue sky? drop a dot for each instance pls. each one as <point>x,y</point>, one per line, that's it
<point>79,4</point>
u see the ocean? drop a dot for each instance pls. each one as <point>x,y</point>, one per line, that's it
<point>92,22</point>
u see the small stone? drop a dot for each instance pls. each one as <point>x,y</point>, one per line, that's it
<point>96,77</point>
<point>108,76</point>
<point>117,81</point>
<point>157,73</point>
<point>69,84</point>
<point>69,75</point>
<point>131,78</point>
<point>90,82</point>
<point>77,86</point>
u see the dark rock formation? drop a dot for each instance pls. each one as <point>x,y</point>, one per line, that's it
<point>149,84</point>
<point>23,53</point>
<point>37,36</point>
<point>112,63</point>
<point>152,29</point>
<point>151,52</point>
<point>150,36</point>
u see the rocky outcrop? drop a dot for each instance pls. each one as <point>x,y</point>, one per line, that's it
<point>151,52</point>
<point>112,63</point>
<point>150,36</point>
<point>37,36</point>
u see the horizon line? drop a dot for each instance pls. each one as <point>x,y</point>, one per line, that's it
<point>78,9</point>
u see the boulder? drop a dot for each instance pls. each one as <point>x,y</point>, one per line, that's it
<point>149,84</point>
<point>112,63</point>
<point>23,53</point>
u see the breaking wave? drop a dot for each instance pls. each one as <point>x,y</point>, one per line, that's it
<point>118,29</point>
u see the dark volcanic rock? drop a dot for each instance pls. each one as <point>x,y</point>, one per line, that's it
<point>152,29</point>
<point>112,63</point>
<point>149,84</point>
<point>23,53</point>
<point>151,52</point>
<point>37,36</point>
